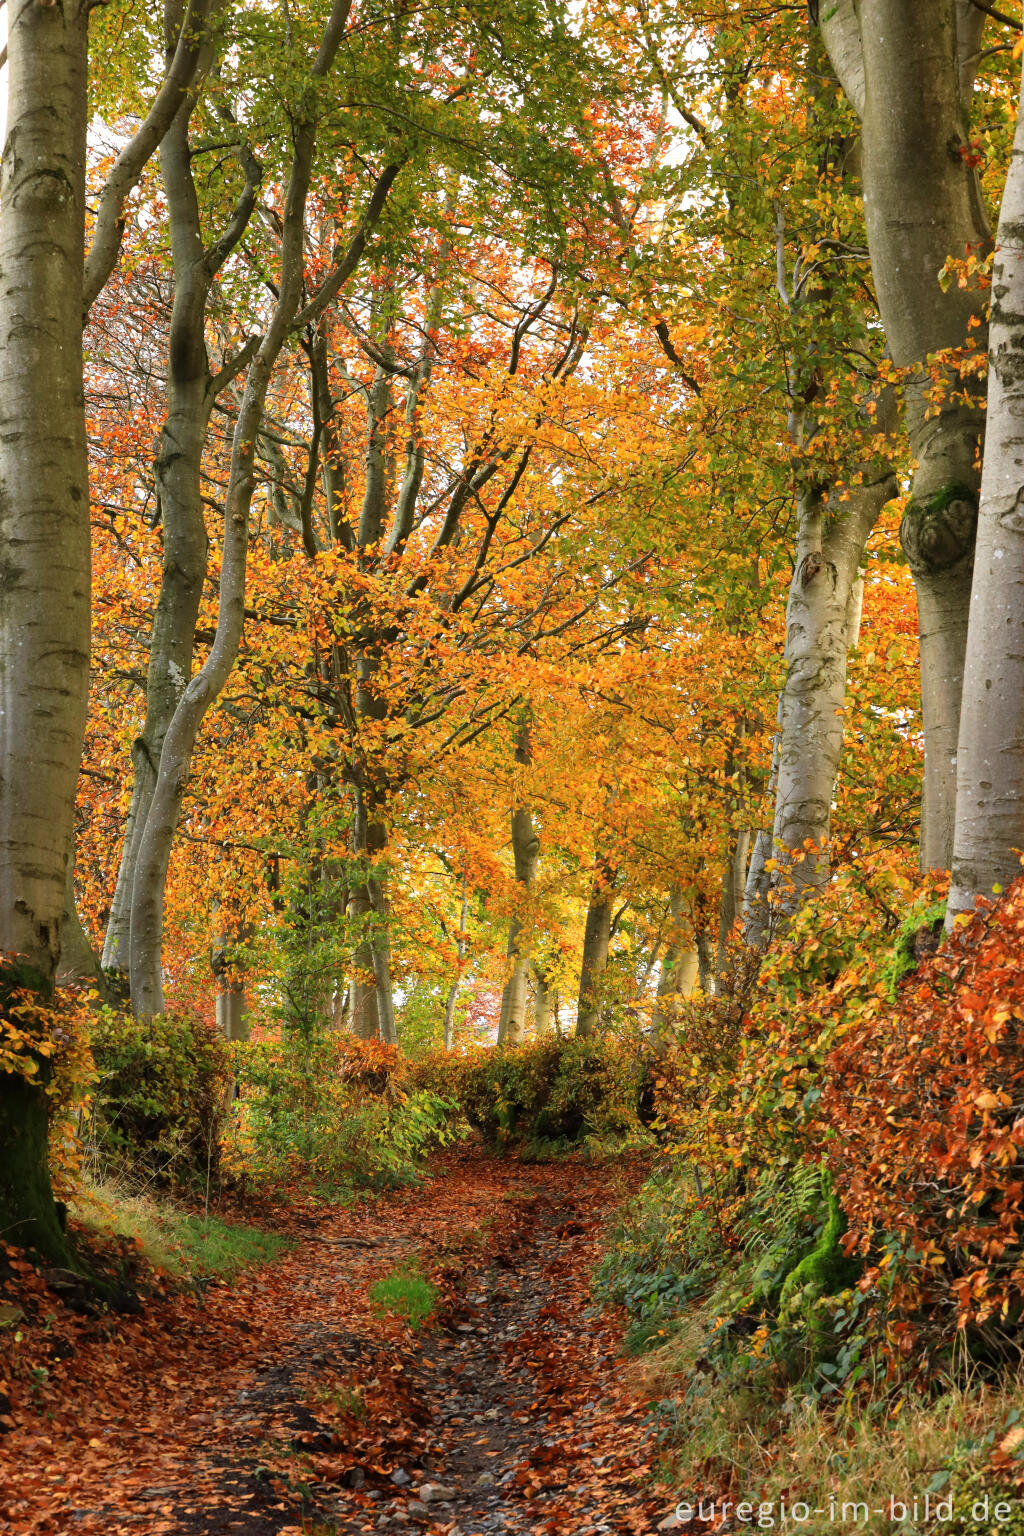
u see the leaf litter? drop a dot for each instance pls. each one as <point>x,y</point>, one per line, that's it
<point>287,1405</point>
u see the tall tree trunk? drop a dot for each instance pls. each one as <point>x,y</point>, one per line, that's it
<point>734,877</point>
<point>543,1013</point>
<point>460,954</point>
<point>363,1018</point>
<point>161,824</point>
<point>909,71</point>
<point>372,1005</point>
<point>191,392</point>
<point>824,591</point>
<point>990,793</point>
<point>228,966</point>
<point>372,1008</point>
<point>706,956</point>
<point>679,964</point>
<point>79,961</point>
<point>597,935</point>
<point>44,553</point>
<point>525,856</point>
<point>380,932</point>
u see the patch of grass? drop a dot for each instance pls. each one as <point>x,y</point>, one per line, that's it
<point>406,1293</point>
<point>224,1249</point>
<point>766,1445</point>
<point>183,1245</point>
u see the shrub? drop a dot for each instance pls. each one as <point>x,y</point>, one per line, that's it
<point>332,1109</point>
<point>921,1118</point>
<point>552,1094</point>
<point>160,1094</point>
<point>664,1251</point>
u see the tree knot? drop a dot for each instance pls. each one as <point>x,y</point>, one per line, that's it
<point>936,534</point>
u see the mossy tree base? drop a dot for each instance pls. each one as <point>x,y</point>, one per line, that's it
<point>29,1215</point>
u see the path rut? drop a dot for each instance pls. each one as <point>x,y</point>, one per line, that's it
<point>286,1405</point>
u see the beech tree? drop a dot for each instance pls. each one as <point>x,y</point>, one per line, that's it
<point>193,386</point>
<point>909,73</point>
<point>46,285</point>
<point>161,823</point>
<point>990,774</point>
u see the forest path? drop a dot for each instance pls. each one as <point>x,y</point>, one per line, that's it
<point>285,1405</point>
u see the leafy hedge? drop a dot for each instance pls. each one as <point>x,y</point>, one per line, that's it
<point>159,1094</point>
<point>850,1123</point>
<point>552,1094</point>
<point>922,1118</point>
<point>333,1109</point>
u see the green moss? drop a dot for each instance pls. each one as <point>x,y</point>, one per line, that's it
<point>956,490</point>
<point>827,1268</point>
<point>29,1215</point>
<point>904,954</point>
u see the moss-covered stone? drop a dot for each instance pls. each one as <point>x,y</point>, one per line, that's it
<point>827,1269</point>
<point>919,936</point>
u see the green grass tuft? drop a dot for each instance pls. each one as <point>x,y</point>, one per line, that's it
<point>183,1245</point>
<point>406,1293</point>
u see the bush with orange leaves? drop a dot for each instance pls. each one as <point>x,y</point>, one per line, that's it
<point>921,1118</point>
<point>910,1092</point>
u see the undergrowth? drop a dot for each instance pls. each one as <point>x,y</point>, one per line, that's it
<point>543,1099</point>
<point>182,1244</point>
<point>825,1278</point>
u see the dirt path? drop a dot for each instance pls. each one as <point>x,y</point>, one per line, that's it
<point>285,1405</point>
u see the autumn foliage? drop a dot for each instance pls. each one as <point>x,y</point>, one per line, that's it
<point>921,1110</point>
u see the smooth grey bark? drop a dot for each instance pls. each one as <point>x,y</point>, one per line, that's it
<point>363,1018</point>
<point>206,686</point>
<point>734,877</point>
<point>191,392</point>
<point>44,553</point>
<point>380,953</point>
<point>515,996</point>
<point>824,590</point>
<point>460,953</point>
<point>679,963</point>
<point>373,1014</point>
<point>332,462</point>
<point>597,936</point>
<point>228,966</point>
<point>990,786</point>
<point>706,962</point>
<point>79,961</point>
<point>908,70</point>
<point>543,1004</point>
<point>44,487</point>
<point>822,623</point>
<point>232,1011</point>
<point>525,857</point>
<point>833,526</point>
<point>372,996</point>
